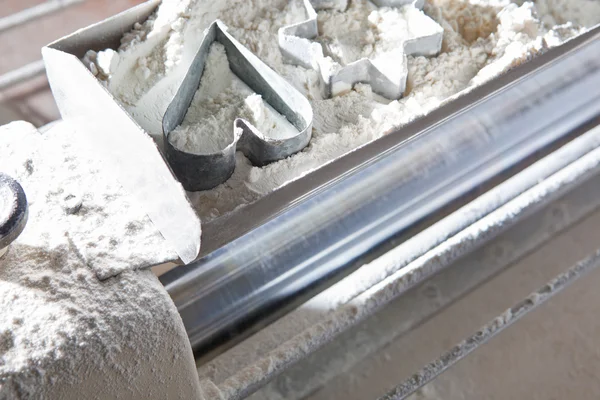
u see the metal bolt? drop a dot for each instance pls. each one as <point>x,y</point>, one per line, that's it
<point>13,211</point>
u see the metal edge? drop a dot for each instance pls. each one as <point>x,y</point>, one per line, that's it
<point>409,310</point>
<point>106,33</point>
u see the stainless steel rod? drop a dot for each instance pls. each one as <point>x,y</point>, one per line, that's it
<point>35,12</point>
<point>564,186</point>
<point>493,328</point>
<point>392,185</point>
<point>22,74</point>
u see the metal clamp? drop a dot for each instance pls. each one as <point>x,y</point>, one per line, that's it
<point>205,171</point>
<point>297,47</point>
<point>13,211</point>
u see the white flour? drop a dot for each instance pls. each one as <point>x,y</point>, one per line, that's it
<point>366,31</point>
<point>482,38</point>
<point>64,333</point>
<point>264,117</point>
<point>208,126</point>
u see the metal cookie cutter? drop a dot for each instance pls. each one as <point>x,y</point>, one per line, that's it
<point>13,211</point>
<point>205,171</point>
<point>297,47</point>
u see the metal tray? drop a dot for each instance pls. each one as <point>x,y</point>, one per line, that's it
<point>273,252</point>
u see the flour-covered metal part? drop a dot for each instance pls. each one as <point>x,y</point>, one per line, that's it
<point>130,153</point>
<point>13,211</point>
<point>365,198</point>
<point>424,37</point>
<point>205,171</point>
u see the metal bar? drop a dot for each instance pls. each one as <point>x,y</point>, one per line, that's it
<point>404,312</point>
<point>22,74</point>
<point>458,149</point>
<point>411,271</point>
<point>35,12</point>
<point>493,328</point>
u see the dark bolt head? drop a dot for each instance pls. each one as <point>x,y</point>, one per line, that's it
<point>13,210</point>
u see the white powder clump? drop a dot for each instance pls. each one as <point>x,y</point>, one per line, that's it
<point>364,30</point>
<point>103,225</point>
<point>208,126</point>
<point>269,122</point>
<point>482,38</point>
<point>348,36</point>
<point>64,333</point>
<point>147,53</point>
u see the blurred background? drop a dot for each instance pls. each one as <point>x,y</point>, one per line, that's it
<point>25,27</point>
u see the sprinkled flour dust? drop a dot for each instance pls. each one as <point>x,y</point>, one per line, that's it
<point>264,117</point>
<point>482,38</point>
<point>208,126</point>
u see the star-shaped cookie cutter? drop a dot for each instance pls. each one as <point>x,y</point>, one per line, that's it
<point>297,47</point>
<point>205,171</point>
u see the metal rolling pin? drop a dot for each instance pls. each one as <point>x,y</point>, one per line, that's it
<point>355,205</point>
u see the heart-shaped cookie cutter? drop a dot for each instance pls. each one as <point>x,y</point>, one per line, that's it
<point>297,47</point>
<point>205,171</point>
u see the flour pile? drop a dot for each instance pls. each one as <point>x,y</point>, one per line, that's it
<point>64,332</point>
<point>364,30</point>
<point>208,126</point>
<point>102,224</point>
<point>482,38</point>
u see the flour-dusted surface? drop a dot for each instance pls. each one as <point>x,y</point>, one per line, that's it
<point>102,224</point>
<point>208,126</point>
<point>64,333</point>
<point>482,38</point>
